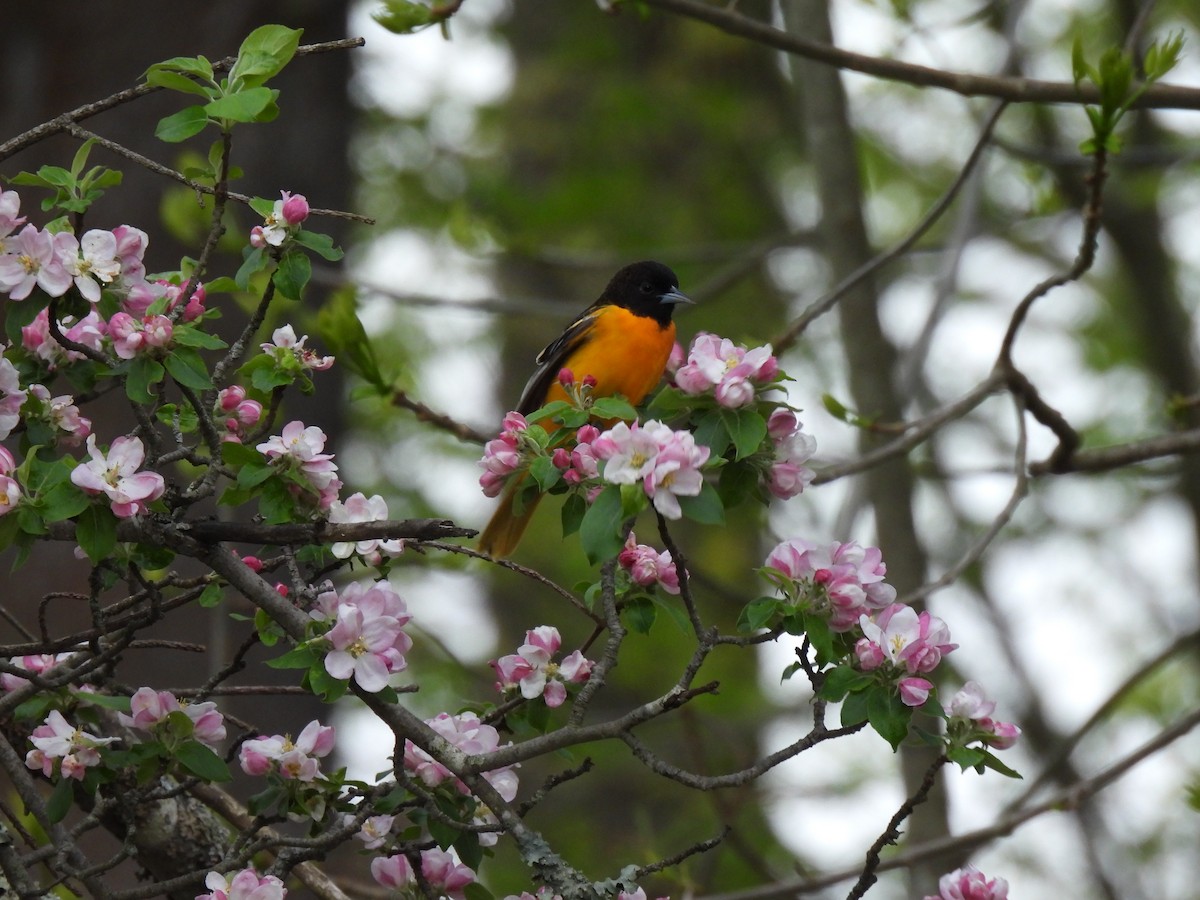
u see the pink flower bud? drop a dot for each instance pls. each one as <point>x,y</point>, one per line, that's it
<point>230,397</point>
<point>561,459</point>
<point>295,208</point>
<point>566,377</point>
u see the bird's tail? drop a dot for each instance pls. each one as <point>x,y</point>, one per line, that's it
<point>504,531</point>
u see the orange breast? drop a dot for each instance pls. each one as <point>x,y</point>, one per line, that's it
<point>625,353</point>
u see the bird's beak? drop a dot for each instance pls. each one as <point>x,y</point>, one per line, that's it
<point>675,295</point>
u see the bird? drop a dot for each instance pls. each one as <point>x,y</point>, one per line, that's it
<point>623,341</point>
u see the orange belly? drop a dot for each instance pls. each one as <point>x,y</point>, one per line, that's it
<point>625,353</point>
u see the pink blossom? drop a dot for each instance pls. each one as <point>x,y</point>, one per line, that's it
<point>471,736</point>
<point>392,871</point>
<point>970,713</point>
<point>130,248</point>
<point>94,264</point>
<point>788,475</point>
<point>244,885</point>
<point>502,455</point>
<point>285,347</point>
<point>116,475</point>
<point>10,494</point>
<point>293,207</point>
<point>301,447</point>
<point>911,643</point>
<point>10,205</point>
<point>38,664</point>
<point>36,338</point>
<point>296,760</point>
<point>446,875</point>
<point>914,691</point>
<point>647,567</point>
<point>358,508</point>
<point>58,739</point>
<point>367,637</point>
<point>12,398</point>
<point>60,413</point>
<point>132,336</point>
<point>150,708</point>
<point>192,310</point>
<point>731,372</point>
<point>843,581</point>
<point>374,831</point>
<point>666,462</point>
<point>32,258</point>
<point>532,670</point>
<point>968,883</point>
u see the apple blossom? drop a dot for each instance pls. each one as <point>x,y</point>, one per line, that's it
<point>116,475</point>
<point>12,398</point>
<point>841,581</point>
<point>10,206</point>
<point>502,454</point>
<point>132,336</point>
<point>58,739</point>
<point>243,885</point>
<point>466,732</point>
<point>909,643</point>
<point>295,760</point>
<point>358,508</point>
<point>374,830</point>
<point>32,259</point>
<point>285,346</point>
<point>392,871</point>
<point>150,708</point>
<point>301,447</point>
<point>968,883</point>
<point>646,566</point>
<point>95,264</point>
<point>88,332</point>
<point>731,372</point>
<point>60,413</point>
<point>37,664</point>
<point>666,462</point>
<point>532,670</point>
<point>970,718</point>
<point>445,874</point>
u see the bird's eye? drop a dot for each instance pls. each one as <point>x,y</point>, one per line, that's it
<point>647,288</point>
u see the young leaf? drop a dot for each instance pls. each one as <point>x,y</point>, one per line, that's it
<point>264,53</point>
<point>705,507</point>
<point>200,760</point>
<point>181,125</point>
<point>243,106</point>
<point>188,369</point>
<point>293,274</point>
<point>599,532</point>
<point>96,532</point>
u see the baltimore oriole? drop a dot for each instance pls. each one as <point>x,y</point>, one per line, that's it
<point>623,341</point>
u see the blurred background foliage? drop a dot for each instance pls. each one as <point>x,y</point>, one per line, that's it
<point>514,167</point>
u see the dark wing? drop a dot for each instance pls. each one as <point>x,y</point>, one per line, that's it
<point>550,361</point>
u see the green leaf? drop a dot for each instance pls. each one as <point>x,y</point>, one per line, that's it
<point>572,513</point>
<point>854,709</point>
<point>188,369</point>
<point>705,507</point>
<point>746,427</point>
<point>61,800</point>
<point>991,762</point>
<point>640,612</point>
<point>181,125</point>
<point>759,613</point>
<point>243,106</point>
<point>301,657</point>
<point>176,81</point>
<point>202,761</point>
<point>143,373</point>
<point>841,682</point>
<point>189,65</point>
<point>321,244</point>
<point>121,704</point>
<point>211,596</point>
<point>545,473</point>
<point>190,336</point>
<point>63,501</point>
<point>253,262</point>
<point>292,275</point>
<point>600,530</point>
<point>614,407</point>
<point>403,16</point>
<point>888,715</point>
<point>711,432</point>
<point>96,532</point>
<point>264,53</point>
<point>340,329</point>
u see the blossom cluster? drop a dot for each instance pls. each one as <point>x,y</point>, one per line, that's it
<point>289,353</point>
<point>151,709</point>
<point>733,375</point>
<point>244,885</point>
<point>367,641</point>
<point>57,740</point>
<point>502,456</point>
<point>442,870</point>
<point>532,669</point>
<point>666,462</point>
<point>908,643</point>
<point>360,508</point>
<point>787,474</point>
<point>236,412</point>
<point>37,663</point>
<point>968,883</point>
<point>648,567</point>
<point>299,449</point>
<point>34,404</point>
<point>470,735</point>
<point>297,760</point>
<point>841,582</point>
<point>284,219</point>
<point>969,715</point>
